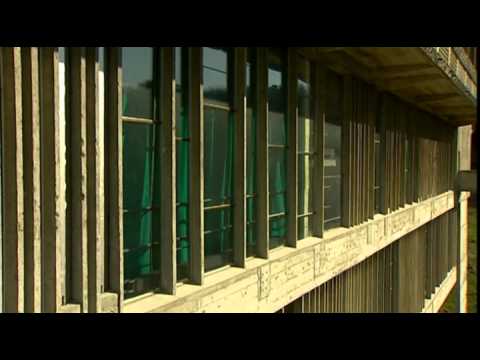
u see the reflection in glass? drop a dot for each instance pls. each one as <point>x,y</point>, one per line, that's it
<point>277,141</point>
<point>182,163</point>
<point>332,154</point>
<point>218,159</point>
<point>137,71</point>
<point>251,153</point>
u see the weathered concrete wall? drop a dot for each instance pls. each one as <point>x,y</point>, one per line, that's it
<point>269,285</point>
<point>435,302</point>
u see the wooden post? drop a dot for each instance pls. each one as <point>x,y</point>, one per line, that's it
<point>240,171</point>
<point>196,216</point>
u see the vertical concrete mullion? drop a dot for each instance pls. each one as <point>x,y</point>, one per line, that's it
<point>292,149</point>
<point>240,170</point>
<point>76,120</point>
<point>168,221</point>
<point>347,156</point>
<point>1,186</point>
<point>95,187</point>
<point>196,213</point>
<point>319,114</point>
<point>13,230</point>
<point>113,134</point>
<point>262,154</point>
<point>53,214</point>
<point>31,173</point>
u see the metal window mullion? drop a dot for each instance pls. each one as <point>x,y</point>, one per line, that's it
<point>114,160</point>
<point>262,153</point>
<point>167,149</point>
<point>240,157</point>
<point>292,158</point>
<point>196,205</point>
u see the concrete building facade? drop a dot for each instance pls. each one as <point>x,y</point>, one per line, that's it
<point>234,179</point>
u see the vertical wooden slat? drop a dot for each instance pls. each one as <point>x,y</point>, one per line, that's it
<point>319,117</point>
<point>262,154</point>
<point>240,171</point>
<point>13,227</point>
<point>168,210</point>
<point>196,216</point>
<point>114,158</point>
<point>31,173</point>
<point>95,187</point>
<point>292,149</point>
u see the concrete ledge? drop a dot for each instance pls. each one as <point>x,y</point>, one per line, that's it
<point>434,304</point>
<point>268,285</point>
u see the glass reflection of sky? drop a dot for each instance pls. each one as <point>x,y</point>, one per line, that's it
<point>137,66</point>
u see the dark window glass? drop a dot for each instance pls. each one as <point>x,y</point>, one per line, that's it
<point>218,159</point>
<point>141,175</point>
<point>251,153</point>
<point>277,140</point>
<point>138,82</point>
<point>332,154</point>
<point>215,75</point>
<point>182,163</point>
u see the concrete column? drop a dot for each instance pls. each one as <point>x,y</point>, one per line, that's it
<point>240,170</point>
<point>95,187</point>
<point>168,221</point>
<point>31,173</point>
<point>12,160</point>
<point>53,215</point>
<point>462,252</point>
<point>114,182</point>
<point>77,167</point>
<point>262,154</point>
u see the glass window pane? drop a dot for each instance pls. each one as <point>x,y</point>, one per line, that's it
<point>218,155</point>
<point>332,155</point>
<point>305,193</point>
<point>137,165</point>
<point>304,227</point>
<point>215,77</point>
<point>137,66</point>
<point>218,238</point>
<point>277,231</point>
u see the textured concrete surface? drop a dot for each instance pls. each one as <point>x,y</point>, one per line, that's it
<point>268,285</point>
